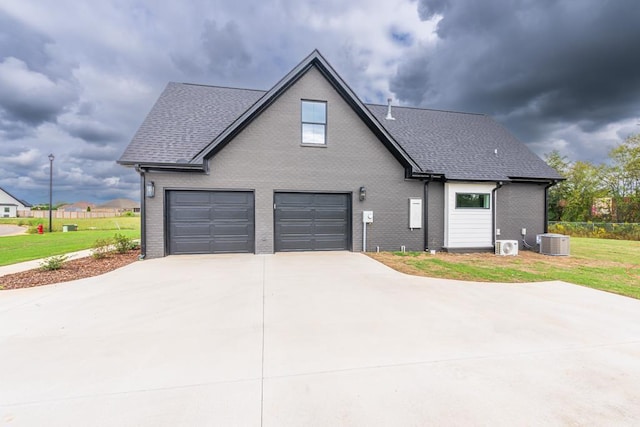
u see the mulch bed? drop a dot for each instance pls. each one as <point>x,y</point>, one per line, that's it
<point>71,270</point>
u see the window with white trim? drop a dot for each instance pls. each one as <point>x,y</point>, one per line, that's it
<point>314,122</point>
<point>473,201</point>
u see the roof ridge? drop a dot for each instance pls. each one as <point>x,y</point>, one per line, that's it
<point>427,109</point>
<point>219,87</point>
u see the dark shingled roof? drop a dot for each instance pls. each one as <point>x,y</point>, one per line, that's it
<point>184,120</point>
<point>461,146</point>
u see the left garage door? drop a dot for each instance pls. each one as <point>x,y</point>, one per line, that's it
<point>210,222</point>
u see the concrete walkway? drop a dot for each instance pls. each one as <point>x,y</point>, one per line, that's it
<point>330,339</point>
<point>36,263</point>
<point>12,230</point>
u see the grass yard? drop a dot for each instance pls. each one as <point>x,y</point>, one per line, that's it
<point>84,224</point>
<point>26,247</point>
<point>608,265</point>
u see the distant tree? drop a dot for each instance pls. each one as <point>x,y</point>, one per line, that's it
<point>558,193</point>
<point>623,180</point>
<point>583,186</point>
<point>573,199</point>
<point>88,208</point>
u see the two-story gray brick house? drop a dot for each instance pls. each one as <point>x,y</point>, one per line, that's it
<point>302,166</point>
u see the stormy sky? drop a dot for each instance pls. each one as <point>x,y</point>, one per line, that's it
<point>77,78</point>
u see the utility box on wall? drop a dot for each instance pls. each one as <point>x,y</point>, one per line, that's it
<point>415,213</point>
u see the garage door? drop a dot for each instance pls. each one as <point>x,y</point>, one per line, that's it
<point>210,222</point>
<point>312,222</point>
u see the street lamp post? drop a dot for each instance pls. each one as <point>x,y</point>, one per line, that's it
<point>50,188</point>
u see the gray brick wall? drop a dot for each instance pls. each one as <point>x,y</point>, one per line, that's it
<point>436,215</point>
<point>267,156</point>
<point>520,206</point>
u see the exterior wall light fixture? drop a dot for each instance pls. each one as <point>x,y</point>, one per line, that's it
<point>150,189</point>
<point>363,193</point>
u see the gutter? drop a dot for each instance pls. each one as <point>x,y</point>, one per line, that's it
<point>143,213</point>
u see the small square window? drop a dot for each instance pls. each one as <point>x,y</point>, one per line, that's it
<point>473,201</point>
<point>7,210</point>
<point>314,122</point>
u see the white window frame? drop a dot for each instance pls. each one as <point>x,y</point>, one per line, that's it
<point>313,124</point>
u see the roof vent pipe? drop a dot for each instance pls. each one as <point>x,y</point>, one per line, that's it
<point>389,116</point>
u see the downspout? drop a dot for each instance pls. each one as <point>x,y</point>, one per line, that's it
<point>494,200</point>
<point>425,207</point>
<point>143,213</point>
<point>546,204</point>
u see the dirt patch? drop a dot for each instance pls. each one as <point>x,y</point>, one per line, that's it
<point>72,270</point>
<point>526,261</point>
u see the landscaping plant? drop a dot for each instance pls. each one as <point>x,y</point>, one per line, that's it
<point>53,263</point>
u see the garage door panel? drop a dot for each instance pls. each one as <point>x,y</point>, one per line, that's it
<point>295,214</point>
<point>312,221</point>
<point>192,214</point>
<point>302,228</point>
<point>239,230</point>
<point>210,222</point>
<point>193,198</point>
<point>232,214</point>
<point>330,214</point>
<point>294,199</point>
<point>329,245</point>
<point>190,230</point>
<point>330,229</point>
<point>329,200</point>
<point>192,247</point>
<point>231,198</point>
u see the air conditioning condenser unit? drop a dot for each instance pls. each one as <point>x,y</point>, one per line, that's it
<point>506,247</point>
<point>553,244</point>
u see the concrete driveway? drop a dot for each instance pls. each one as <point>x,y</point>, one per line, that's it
<point>325,339</point>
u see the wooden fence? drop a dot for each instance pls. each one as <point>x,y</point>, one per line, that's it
<point>68,215</point>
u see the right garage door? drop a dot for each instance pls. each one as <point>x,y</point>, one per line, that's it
<point>312,222</point>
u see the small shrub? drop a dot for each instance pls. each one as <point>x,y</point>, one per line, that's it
<point>128,213</point>
<point>53,263</point>
<point>123,244</point>
<point>101,248</point>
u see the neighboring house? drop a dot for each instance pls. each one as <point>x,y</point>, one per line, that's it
<point>119,206</point>
<point>295,168</point>
<point>77,207</point>
<point>10,205</point>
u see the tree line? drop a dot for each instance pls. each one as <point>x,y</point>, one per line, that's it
<point>605,192</point>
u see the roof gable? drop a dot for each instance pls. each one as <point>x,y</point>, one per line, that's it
<point>19,202</point>
<point>315,59</point>
<point>190,123</point>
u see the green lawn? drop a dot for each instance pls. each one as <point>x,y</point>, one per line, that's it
<point>111,223</point>
<point>609,265</point>
<point>27,247</point>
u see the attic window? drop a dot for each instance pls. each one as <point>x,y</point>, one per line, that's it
<point>314,122</point>
<point>473,201</point>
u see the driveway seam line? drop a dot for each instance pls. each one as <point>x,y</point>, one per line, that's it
<point>454,359</point>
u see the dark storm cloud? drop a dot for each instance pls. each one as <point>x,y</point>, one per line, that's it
<point>18,41</point>
<point>532,64</point>
<point>224,48</point>
<point>30,94</point>
<point>222,52</point>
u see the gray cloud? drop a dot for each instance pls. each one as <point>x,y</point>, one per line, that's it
<point>77,81</point>
<point>224,47</point>
<point>31,97</point>
<point>531,64</point>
